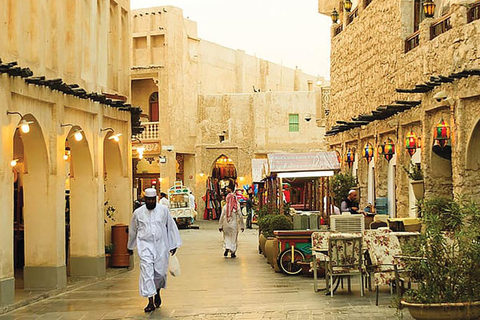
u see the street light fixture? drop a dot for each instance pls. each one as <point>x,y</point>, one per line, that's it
<point>334,16</point>
<point>77,132</point>
<point>429,8</point>
<point>347,5</point>
<point>114,137</point>
<point>24,125</point>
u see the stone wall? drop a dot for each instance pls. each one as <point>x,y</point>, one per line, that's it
<point>369,63</point>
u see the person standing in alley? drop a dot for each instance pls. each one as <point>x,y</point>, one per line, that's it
<point>155,235</point>
<point>164,200</point>
<point>229,223</point>
<point>249,207</point>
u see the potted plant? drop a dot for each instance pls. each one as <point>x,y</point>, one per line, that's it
<point>108,254</point>
<point>415,175</point>
<point>445,262</point>
<point>342,183</point>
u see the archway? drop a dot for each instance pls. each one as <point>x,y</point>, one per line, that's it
<point>86,223</point>
<point>38,230</point>
<point>416,160</point>
<point>391,187</point>
<point>223,174</point>
<point>472,168</point>
<point>114,187</point>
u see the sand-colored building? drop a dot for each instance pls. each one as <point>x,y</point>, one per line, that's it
<point>396,74</point>
<point>203,101</point>
<point>61,60</point>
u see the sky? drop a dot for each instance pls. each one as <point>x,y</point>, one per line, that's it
<point>288,32</point>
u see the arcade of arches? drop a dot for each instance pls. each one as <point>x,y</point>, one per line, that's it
<point>55,177</point>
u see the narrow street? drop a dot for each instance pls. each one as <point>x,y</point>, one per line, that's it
<point>212,287</point>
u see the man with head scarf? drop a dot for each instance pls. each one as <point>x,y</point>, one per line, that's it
<point>155,235</point>
<point>230,220</point>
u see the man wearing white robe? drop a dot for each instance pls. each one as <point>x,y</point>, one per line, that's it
<point>230,221</point>
<point>155,235</point>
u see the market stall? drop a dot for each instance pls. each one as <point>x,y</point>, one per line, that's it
<point>300,180</point>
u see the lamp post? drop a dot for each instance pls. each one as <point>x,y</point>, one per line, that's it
<point>429,8</point>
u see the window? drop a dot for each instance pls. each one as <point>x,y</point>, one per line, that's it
<point>153,104</point>
<point>293,122</point>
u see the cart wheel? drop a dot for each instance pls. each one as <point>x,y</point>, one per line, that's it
<point>285,261</point>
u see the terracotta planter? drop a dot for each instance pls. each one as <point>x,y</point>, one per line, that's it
<point>418,188</point>
<point>444,311</point>
<point>108,260</point>
<point>269,244</point>
<point>261,242</point>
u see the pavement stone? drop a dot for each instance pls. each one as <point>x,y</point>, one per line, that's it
<point>211,287</point>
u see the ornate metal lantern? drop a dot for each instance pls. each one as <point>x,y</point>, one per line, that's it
<point>367,151</point>
<point>411,143</point>
<point>334,15</point>
<point>350,157</point>
<point>388,149</point>
<point>347,5</point>
<point>429,8</point>
<point>441,135</point>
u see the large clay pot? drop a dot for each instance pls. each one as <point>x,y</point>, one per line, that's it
<point>261,241</point>
<point>444,311</point>
<point>269,249</point>
<point>418,189</point>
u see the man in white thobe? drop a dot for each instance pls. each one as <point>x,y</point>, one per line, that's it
<point>164,199</point>
<point>155,235</point>
<point>230,221</point>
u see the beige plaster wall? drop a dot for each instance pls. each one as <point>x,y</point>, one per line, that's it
<point>97,58</point>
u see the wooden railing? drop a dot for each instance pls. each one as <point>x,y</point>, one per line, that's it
<point>440,26</point>
<point>150,132</point>
<point>413,41</point>
<point>337,30</point>
<point>352,16</point>
<point>474,12</point>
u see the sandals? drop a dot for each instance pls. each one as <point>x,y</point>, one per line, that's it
<point>149,308</point>
<point>158,300</point>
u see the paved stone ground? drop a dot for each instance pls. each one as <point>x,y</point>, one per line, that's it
<point>212,287</point>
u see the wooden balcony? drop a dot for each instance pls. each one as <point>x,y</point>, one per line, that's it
<point>413,41</point>
<point>352,16</point>
<point>337,30</point>
<point>474,12</point>
<point>440,26</point>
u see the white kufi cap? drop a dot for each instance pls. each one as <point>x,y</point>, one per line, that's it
<point>150,193</point>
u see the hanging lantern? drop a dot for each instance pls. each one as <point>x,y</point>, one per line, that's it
<point>429,8</point>
<point>411,143</point>
<point>388,149</point>
<point>334,15</point>
<point>347,5</point>
<point>441,135</point>
<point>367,151</point>
<point>350,157</point>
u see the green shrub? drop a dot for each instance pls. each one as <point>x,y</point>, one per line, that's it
<point>448,254</point>
<point>342,183</point>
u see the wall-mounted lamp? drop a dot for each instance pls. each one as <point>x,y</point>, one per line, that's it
<point>429,8</point>
<point>14,162</point>
<point>350,157</point>
<point>411,143</point>
<point>114,137</point>
<point>162,159</point>
<point>66,156</point>
<point>201,174</point>
<point>334,15</point>
<point>367,151</point>
<point>387,149</point>
<point>140,151</point>
<point>77,132</point>
<point>24,125</point>
<point>347,5</point>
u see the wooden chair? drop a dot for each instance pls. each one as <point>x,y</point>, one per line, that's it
<point>344,259</point>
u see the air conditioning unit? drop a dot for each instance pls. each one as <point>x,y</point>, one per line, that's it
<point>347,223</point>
